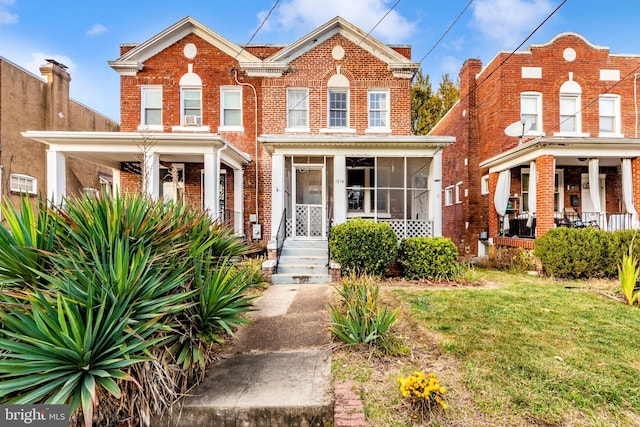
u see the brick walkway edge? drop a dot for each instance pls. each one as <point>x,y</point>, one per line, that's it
<point>348,407</point>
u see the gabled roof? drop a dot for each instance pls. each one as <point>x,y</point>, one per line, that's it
<point>133,61</point>
<point>275,65</point>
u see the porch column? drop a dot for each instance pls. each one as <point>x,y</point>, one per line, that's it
<point>56,177</point>
<point>212,184</point>
<point>238,201</point>
<point>436,193</point>
<point>340,189</point>
<point>151,175</point>
<point>635,173</point>
<point>546,171</point>
<point>277,193</point>
<point>493,214</point>
<point>115,182</point>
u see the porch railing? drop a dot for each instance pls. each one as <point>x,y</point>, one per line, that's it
<point>281,236</point>
<point>523,226</point>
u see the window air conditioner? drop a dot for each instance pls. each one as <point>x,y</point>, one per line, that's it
<point>191,120</point>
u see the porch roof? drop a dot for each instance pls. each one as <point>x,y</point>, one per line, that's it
<point>112,148</point>
<point>608,149</point>
<point>328,144</point>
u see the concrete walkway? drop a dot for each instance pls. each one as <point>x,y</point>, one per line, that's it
<point>277,373</point>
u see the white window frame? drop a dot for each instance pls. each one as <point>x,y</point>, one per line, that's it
<point>536,128</point>
<point>183,107</point>
<point>384,128</point>
<point>297,106</point>
<point>616,118</point>
<point>224,90</point>
<point>567,101</point>
<point>484,185</point>
<point>448,196</point>
<point>144,90</point>
<point>19,183</point>
<point>346,109</point>
<point>458,192</point>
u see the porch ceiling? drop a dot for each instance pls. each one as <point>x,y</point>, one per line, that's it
<point>111,148</point>
<point>568,151</point>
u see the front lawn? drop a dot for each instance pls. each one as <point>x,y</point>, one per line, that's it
<point>515,351</point>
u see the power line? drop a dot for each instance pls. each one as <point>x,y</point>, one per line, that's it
<point>446,32</point>
<point>258,29</point>
<point>378,23</point>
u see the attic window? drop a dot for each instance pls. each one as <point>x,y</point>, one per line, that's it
<point>23,184</point>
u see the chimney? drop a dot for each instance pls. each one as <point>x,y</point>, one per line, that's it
<point>57,95</point>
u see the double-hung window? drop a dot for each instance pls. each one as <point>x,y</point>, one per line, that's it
<point>231,108</point>
<point>530,110</point>
<point>297,109</point>
<point>151,115</point>
<point>569,113</point>
<point>338,108</point>
<point>378,109</point>
<point>609,111</point>
<point>191,106</point>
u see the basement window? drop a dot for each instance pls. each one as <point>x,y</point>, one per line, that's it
<point>23,184</point>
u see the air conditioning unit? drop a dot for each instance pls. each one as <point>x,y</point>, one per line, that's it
<point>191,120</point>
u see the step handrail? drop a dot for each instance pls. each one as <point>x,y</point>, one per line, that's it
<point>281,236</point>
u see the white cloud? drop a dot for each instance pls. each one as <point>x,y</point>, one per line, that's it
<point>509,21</point>
<point>7,17</point>
<point>39,58</point>
<point>303,16</point>
<point>96,30</point>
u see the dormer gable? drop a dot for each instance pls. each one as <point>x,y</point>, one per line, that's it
<point>277,64</point>
<point>132,61</point>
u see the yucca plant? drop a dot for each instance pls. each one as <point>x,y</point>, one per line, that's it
<point>58,350</point>
<point>25,242</point>
<point>628,273</point>
<point>360,319</point>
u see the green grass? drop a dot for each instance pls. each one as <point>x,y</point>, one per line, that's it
<point>537,350</point>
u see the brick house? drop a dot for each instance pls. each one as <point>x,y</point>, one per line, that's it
<point>306,134</point>
<point>28,101</point>
<point>545,137</point>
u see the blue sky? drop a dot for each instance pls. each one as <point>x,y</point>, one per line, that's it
<point>85,35</point>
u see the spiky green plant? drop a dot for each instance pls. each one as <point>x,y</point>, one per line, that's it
<point>628,273</point>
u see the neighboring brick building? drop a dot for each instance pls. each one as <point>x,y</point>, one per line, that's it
<point>28,102</point>
<point>319,129</point>
<point>563,113</point>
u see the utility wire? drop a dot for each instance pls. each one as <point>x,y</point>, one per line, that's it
<point>258,29</point>
<point>446,32</point>
<point>378,23</point>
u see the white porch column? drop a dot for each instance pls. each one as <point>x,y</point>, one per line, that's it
<point>340,189</point>
<point>56,177</point>
<point>151,175</point>
<point>277,193</point>
<point>436,193</point>
<point>212,184</point>
<point>238,201</point>
<point>115,182</point>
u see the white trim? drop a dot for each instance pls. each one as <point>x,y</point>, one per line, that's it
<point>291,108</point>
<point>385,110</point>
<point>448,195</point>
<point>230,127</point>
<point>143,107</point>
<point>26,179</point>
<point>617,121</point>
<point>537,96</point>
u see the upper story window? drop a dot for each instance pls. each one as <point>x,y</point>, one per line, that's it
<point>338,108</point>
<point>484,184</point>
<point>448,196</point>
<point>570,106</point>
<point>151,114</point>
<point>609,112</point>
<point>23,184</point>
<point>191,107</point>
<point>231,108</point>
<point>190,102</point>
<point>531,110</point>
<point>298,109</point>
<point>378,106</point>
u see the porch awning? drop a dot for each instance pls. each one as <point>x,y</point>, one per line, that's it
<point>112,148</point>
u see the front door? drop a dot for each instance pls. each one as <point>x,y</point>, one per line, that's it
<point>309,219</point>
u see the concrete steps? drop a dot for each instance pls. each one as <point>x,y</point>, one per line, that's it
<point>303,261</point>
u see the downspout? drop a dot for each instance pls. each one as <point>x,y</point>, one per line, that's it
<point>255,94</point>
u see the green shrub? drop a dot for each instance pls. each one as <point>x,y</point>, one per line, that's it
<point>575,253</point>
<point>360,319</point>
<point>429,258</point>
<point>363,246</point>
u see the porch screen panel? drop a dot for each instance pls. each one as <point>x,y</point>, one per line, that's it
<point>418,188</point>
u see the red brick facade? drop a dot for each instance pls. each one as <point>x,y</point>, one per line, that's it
<point>491,100</point>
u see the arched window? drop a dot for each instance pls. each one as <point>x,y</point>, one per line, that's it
<point>191,99</point>
<point>570,105</point>
<point>338,101</point>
